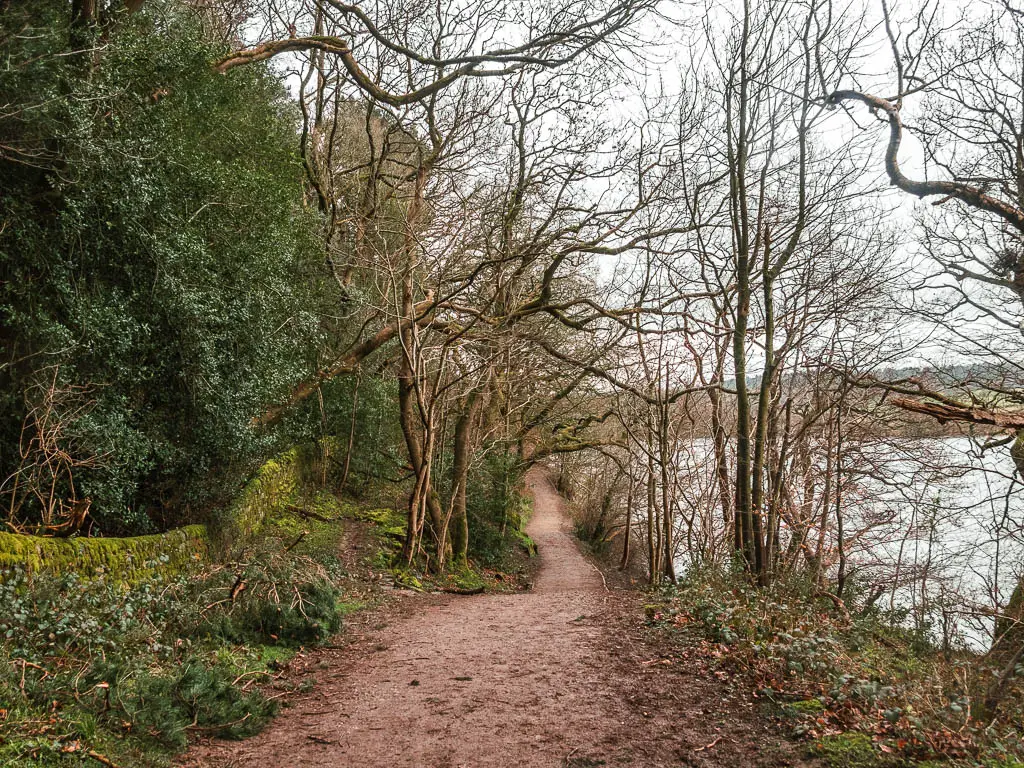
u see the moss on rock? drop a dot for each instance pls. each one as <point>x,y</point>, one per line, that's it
<point>270,498</point>
<point>804,708</point>
<point>407,579</point>
<point>268,494</point>
<point>847,750</point>
<point>126,559</point>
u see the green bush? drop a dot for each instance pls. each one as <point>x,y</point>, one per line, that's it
<point>88,657</point>
<point>310,616</point>
<point>378,445</point>
<point>161,280</point>
<point>847,750</point>
<point>496,506</point>
<point>191,695</point>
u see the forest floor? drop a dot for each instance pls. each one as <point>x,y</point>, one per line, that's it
<point>565,674</point>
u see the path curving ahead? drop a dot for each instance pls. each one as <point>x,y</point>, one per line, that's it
<point>544,678</point>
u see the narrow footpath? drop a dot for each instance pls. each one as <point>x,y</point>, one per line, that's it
<point>557,676</point>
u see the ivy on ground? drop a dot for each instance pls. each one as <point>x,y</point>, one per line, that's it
<point>856,684</point>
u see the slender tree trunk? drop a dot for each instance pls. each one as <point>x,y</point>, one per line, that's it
<point>720,438</point>
<point>840,522</point>
<point>628,534</point>
<point>763,407</point>
<point>351,435</point>
<point>423,502</point>
<point>739,207</point>
<point>826,506</point>
<point>775,503</point>
<point>653,551</point>
<point>667,504</point>
<point>462,450</point>
<point>407,419</point>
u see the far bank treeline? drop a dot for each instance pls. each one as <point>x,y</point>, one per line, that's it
<point>197,272</point>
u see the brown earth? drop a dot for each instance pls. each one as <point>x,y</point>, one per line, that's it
<point>563,675</point>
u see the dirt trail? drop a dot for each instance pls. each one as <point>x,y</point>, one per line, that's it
<point>553,677</point>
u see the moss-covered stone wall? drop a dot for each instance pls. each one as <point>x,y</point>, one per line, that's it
<point>277,485</point>
<point>128,559</point>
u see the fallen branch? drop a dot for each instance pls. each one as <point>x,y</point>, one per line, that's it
<point>295,543</point>
<point>709,746</point>
<point>311,515</point>
<point>101,758</point>
<point>461,591</point>
<point>949,411</point>
<point>601,574</point>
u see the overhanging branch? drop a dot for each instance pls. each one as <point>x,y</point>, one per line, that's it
<point>347,364</point>
<point>947,411</point>
<point>973,196</point>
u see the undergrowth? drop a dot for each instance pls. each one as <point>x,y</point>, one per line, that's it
<point>858,686</point>
<point>506,566</point>
<point>92,667</point>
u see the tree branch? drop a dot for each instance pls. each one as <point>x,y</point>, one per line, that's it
<point>947,411</point>
<point>973,196</point>
<point>349,363</point>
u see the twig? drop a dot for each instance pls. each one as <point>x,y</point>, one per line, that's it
<point>246,674</point>
<point>101,758</point>
<point>237,588</point>
<point>709,746</point>
<point>218,727</point>
<point>25,663</point>
<point>837,602</point>
<point>603,579</point>
<point>295,543</point>
<point>310,514</point>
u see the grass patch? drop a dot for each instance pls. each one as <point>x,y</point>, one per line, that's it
<point>805,708</point>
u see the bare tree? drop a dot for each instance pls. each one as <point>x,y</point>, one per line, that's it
<point>964,70</point>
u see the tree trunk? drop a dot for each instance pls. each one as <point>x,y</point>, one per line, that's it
<point>462,453</point>
<point>1008,641</point>
<point>667,503</point>
<point>627,534</point>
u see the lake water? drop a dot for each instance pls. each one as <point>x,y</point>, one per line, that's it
<point>934,527</point>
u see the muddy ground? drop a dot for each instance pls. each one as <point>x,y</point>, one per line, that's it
<point>562,675</point>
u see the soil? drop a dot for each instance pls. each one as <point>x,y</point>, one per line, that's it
<point>562,675</point>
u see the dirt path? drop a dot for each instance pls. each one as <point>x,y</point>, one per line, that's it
<point>555,677</point>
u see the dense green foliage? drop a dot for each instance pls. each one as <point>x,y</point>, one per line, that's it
<point>361,408</point>
<point>163,280</point>
<point>160,275</point>
<point>496,506</point>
